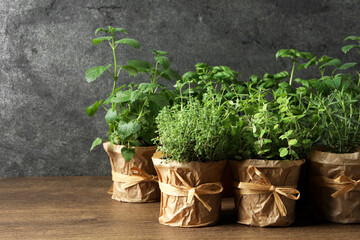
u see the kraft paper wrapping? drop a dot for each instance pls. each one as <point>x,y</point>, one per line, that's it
<point>126,191</point>
<point>261,209</point>
<point>331,167</point>
<point>190,211</point>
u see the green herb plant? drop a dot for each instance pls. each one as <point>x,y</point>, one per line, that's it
<point>206,81</point>
<point>131,109</point>
<point>197,128</point>
<point>275,119</point>
<point>338,100</point>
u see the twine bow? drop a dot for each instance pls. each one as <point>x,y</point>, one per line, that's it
<point>191,192</point>
<point>137,175</point>
<point>343,184</point>
<point>263,185</point>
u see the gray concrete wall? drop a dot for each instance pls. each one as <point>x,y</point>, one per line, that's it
<point>45,49</point>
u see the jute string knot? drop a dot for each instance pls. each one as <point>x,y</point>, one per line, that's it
<point>263,185</point>
<point>343,184</point>
<point>185,190</point>
<point>137,175</point>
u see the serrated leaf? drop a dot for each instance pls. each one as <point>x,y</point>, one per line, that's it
<point>122,97</point>
<point>292,142</point>
<point>147,87</point>
<point>335,63</point>
<point>334,83</point>
<point>95,143</point>
<point>281,75</point>
<point>158,52</point>
<point>102,30</point>
<point>128,153</point>
<point>283,152</point>
<point>121,30</point>
<point>173,74</point>
<point>130,70</point>
<point>95,72</point>
<point>164,61</point>
<point>129,41</point>
<point>159,99</point>
<point>92,109</point>
<point>110,116</point>
<point>126,129</point>
<point>140,65</point>
<point>135,95</point>
<point>98,40</point>
<point>347,65</point>
<point>347,48</point>
<point>354,38</point>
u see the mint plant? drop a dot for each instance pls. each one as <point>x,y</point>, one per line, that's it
<point>206,81</point>
<point>131,109</point>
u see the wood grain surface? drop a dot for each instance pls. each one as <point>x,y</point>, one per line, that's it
<point>80,208</point>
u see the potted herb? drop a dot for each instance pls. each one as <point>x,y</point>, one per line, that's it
<point>130,114</point>
<point>193,140</point>
<point>274,131</point>
<point>335,163</point>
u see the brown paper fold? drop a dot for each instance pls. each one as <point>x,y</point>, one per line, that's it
<point>265,191</point>
<point>190,194</point>
<point>335,185</point>
<point>133,181</point>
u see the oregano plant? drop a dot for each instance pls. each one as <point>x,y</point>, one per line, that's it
<point>131,108</point>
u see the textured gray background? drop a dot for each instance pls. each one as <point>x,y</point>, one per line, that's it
<point>45,49</point>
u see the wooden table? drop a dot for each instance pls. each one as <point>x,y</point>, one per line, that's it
<point>80,208</point>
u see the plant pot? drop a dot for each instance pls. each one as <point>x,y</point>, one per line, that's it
<point>335,186</point>
<point>190,192</point>
<point>265,190</point>
<point>133,181</point>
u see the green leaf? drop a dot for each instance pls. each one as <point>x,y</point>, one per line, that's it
<point>141,66</point>
<point>98,40</point>
<point>126,129</point>
<point>281,75</point>
<point>147,87</point>
<point>172,73</point>
<point>347,65</point>
<point>347,48</point>
<point>121,30</point>
<point>283,152</point>
<point>129,41</point>
<point>122,97</point>
<point>334,83</point>
<point>294,154</point>
<point>95,143</point>
<point>335,63</point>
<point>95,72</point>
<point>354,38</point>
<point>128,153</point>
<point>158,52</point>
<point>130,70</point>
<point>92,109</point>
<point>292,142</point>
<point>135,95</point>
<point>164,61</point>
<point>102,30</point>
<point>110,116</point>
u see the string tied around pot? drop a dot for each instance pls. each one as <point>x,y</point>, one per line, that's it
<point>190,192</point>
<point>342,184</point>
<point>261,184</point>
<point>137,175</point>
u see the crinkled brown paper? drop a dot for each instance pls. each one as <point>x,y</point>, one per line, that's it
<point>344,208</point>
<point>174,210</point>
<point>145,191</point>
<point>260,209</point>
